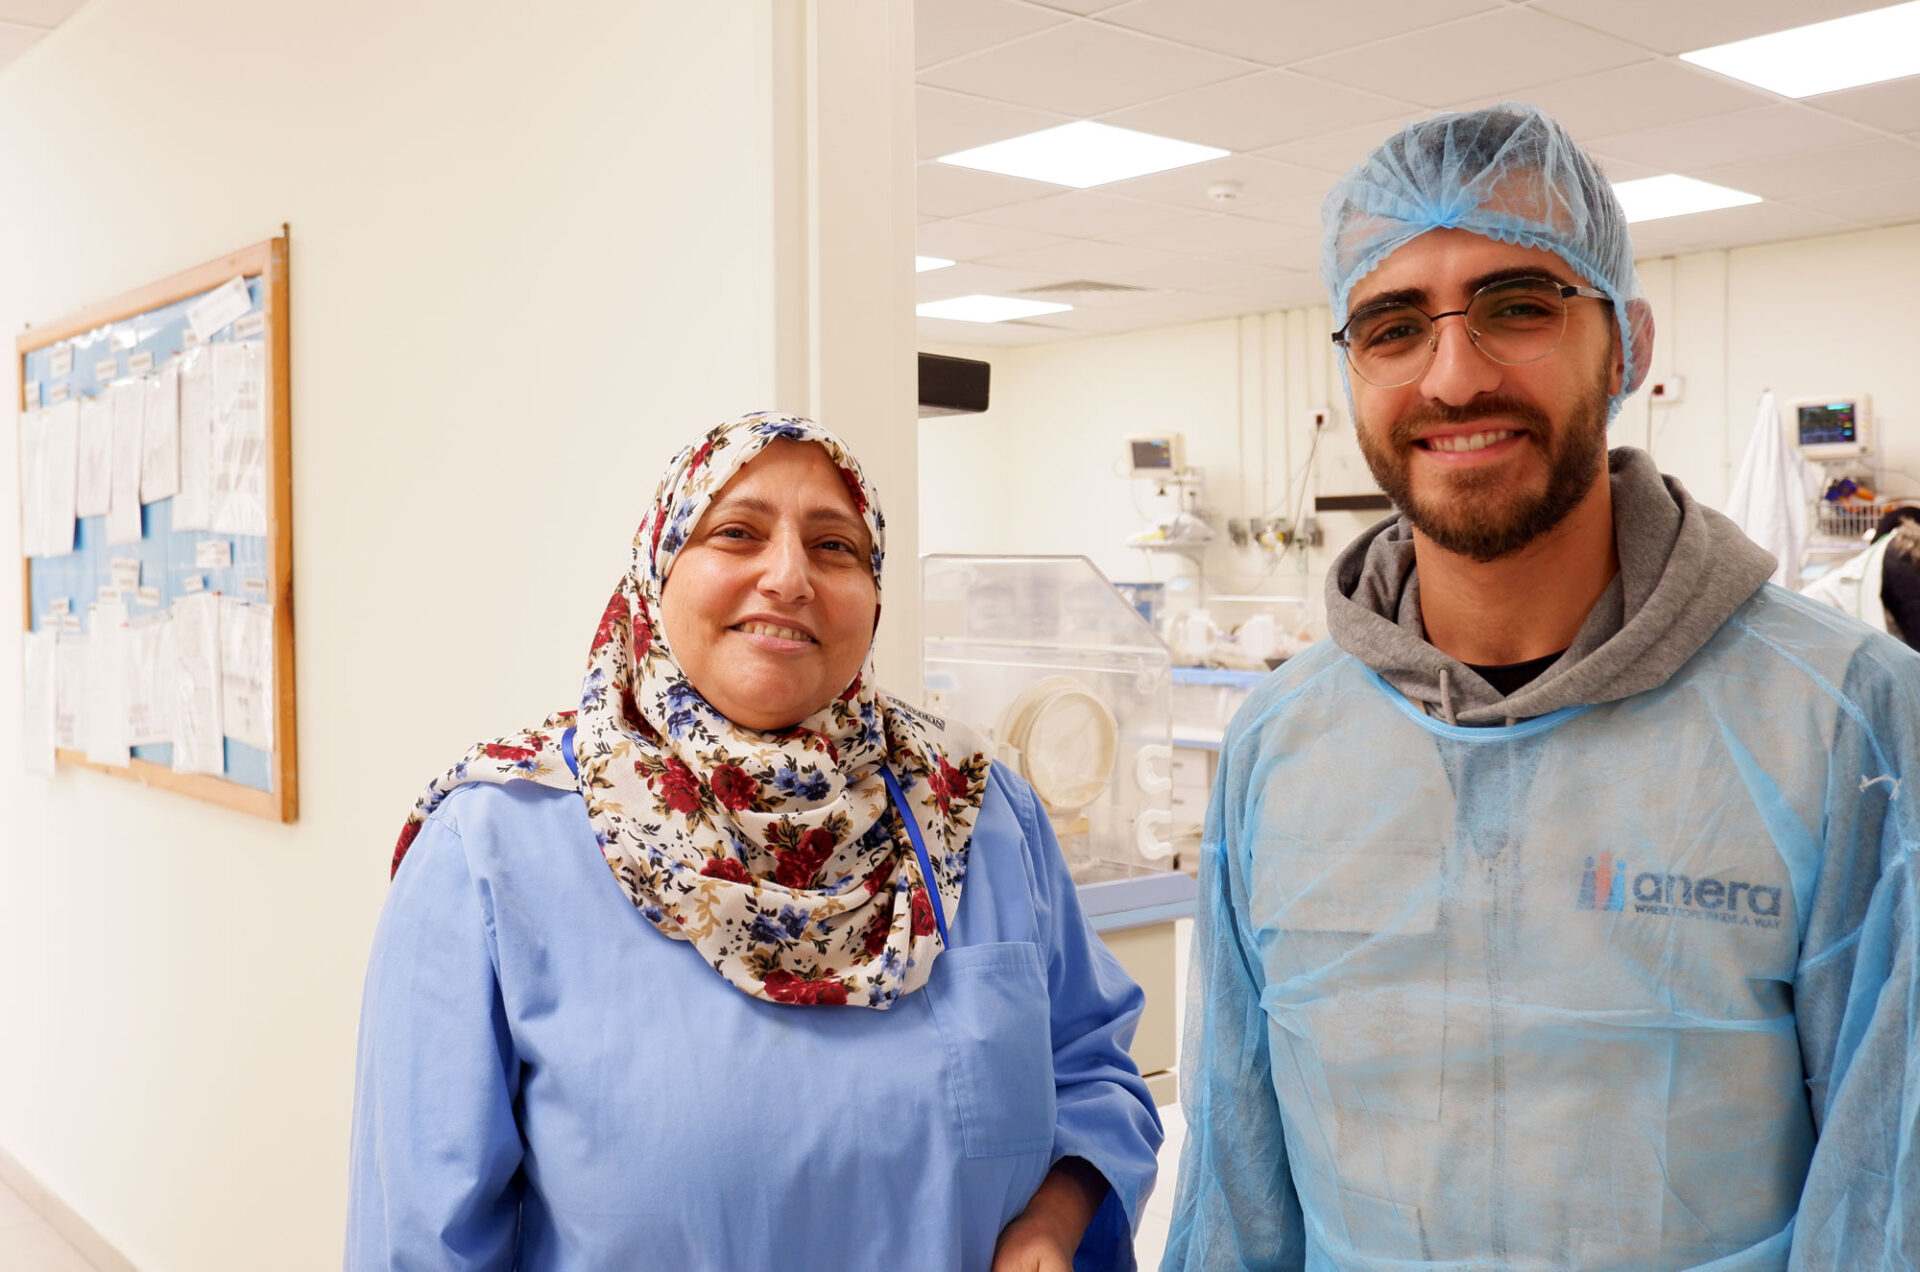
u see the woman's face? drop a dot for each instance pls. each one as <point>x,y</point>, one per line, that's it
<point>770,605</point>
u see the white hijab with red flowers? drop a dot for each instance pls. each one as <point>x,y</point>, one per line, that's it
<point>777,854</point>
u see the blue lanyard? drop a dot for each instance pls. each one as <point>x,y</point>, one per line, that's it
<point>919,850</point>
<point>899,802</point>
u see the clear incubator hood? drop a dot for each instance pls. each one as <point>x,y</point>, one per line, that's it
<point>1073,685</point>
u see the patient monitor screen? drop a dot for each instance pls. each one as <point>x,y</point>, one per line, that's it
<point>1155,455</point>
<point>1829,425</point>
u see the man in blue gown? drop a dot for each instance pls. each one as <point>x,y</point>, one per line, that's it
<point>1559,912</point>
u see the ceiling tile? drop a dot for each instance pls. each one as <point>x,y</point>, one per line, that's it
<point>1339,150</point>
<point>1277,32</point>
<point>991,334</point>
<point>1256,110</point>
<point>946,29</point>
<point>1079,6</point>
<point>970,279</point>
<point>1202,274</point>
<point>45,14</point>
<point>1816,172</point>
<point>1644,95</point>
<point>1299,212</point>
<point>1895,203</point>
<point>1730,227</point>
<point>969,239</point>
<point>1721,139</point>
<point>947,122</point>
<point>1680,26</point>
<point>1081,214</point>
<point>1501,52</point>
<point>1209,234</point>
<point>1260,181</point>
<point>945,190</point>
<point>1893,105</point>
<point>1298,252</point>
<point>1083,258</point>
<point>1281,290</point>
<point>15,40</point>
<point>1084,69</point>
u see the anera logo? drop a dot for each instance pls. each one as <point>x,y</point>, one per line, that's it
<point>1605,886</point>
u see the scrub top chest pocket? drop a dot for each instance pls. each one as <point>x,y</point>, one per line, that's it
<point>991,1007</point>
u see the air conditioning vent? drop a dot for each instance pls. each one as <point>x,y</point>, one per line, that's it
<point>1078,286</point>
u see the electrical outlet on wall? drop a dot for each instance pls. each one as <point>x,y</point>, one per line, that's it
<point>1666,390</point>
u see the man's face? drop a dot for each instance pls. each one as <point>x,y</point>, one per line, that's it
<point>1485,458</point>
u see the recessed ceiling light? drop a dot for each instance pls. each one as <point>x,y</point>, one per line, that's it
<point>987,308</point>
<point>1083,154</point>
<point>921,264</point>
<point>1652,198</point>
<point>1824,57</point>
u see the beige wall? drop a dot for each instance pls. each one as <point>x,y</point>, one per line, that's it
<point>1805,318</point>
<point>534,250</point>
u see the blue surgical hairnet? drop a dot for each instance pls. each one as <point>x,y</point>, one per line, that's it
<point>1508,172</point>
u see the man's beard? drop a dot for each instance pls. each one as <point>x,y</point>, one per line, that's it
<point>1478,513</point>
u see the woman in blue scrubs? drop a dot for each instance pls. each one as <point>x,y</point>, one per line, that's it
<point>745,964</point>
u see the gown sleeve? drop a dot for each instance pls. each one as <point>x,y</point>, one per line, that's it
<point>1857,988</point>
<point>1103,1112</point>
<point>433,1175</point>
<point>1236,1209</point>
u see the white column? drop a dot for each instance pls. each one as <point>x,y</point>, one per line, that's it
<point>844,351</point>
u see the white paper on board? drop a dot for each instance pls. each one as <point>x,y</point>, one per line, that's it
<point>140,363</point>
<point>252,325</point>
<point>93,489</point>
<point>105,724</point>
<point>160,436</point>
<point>219,307</point>
<point>33,482</point>
<point>238,489</point>
<point>59,469</point>
<point>246,672</point>
<point>212,554</point>
<point>37,685</point>
<point>60,362</point>
<point>194,685</point>
<point>123,503</point>
<point>196,439</point>
<point>124,574</point>
<point>148,669</point>
<point>70,689</point>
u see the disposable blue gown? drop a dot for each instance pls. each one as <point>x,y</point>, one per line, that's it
<point>1628,986</point>
<point>547,1082</point>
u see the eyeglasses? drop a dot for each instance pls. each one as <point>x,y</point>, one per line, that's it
<point>1514,321</point>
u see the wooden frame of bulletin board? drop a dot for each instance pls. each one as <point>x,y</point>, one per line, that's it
<point>167,338</point>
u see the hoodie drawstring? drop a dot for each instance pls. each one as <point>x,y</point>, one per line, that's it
<point>1446,697</point>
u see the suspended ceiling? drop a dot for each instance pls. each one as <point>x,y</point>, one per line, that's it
<point>1299,91</point>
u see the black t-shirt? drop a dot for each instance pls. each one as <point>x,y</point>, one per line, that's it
<point>1511,678</point>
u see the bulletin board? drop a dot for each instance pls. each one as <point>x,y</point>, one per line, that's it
<point>157,531</point>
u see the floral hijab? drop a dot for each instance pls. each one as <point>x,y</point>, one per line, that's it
<point>779,855</point>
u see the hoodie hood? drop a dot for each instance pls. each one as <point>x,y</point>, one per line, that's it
<point>1684,568</point>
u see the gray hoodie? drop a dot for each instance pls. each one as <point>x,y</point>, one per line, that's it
<point>1684,568</point>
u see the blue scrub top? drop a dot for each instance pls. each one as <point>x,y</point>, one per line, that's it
<point>548,1082</point>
